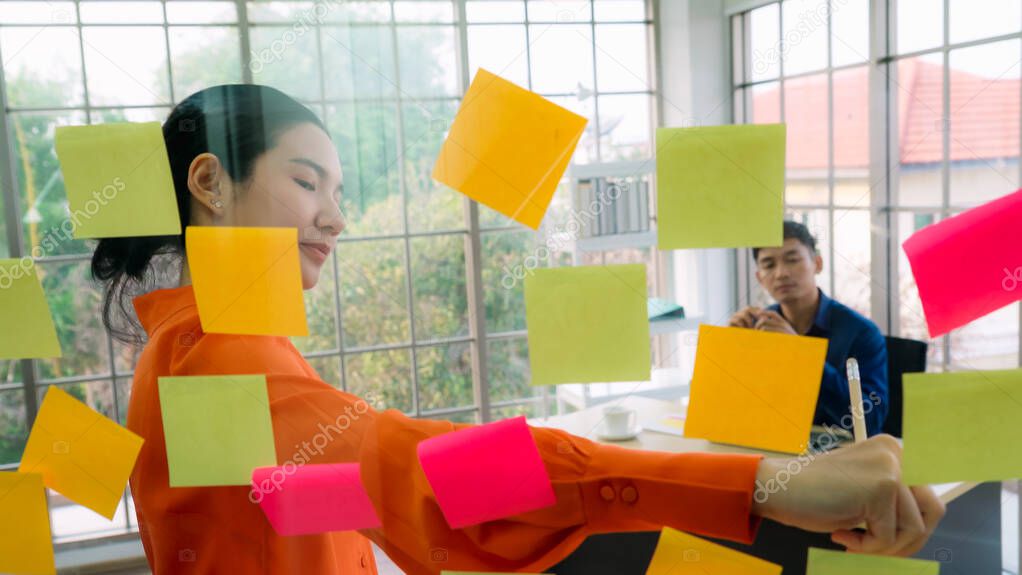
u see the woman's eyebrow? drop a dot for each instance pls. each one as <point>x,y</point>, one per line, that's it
<point>320,171</point>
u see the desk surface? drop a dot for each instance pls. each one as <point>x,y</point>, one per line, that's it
<point>586,422</point>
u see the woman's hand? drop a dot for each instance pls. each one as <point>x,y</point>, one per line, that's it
<point>849,487</point>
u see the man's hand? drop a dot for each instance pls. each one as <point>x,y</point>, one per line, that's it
<point>745,317</point>
<point>772,321</point>
<point>849,487</point>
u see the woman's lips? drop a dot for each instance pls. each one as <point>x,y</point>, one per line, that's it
<point>318,252</point>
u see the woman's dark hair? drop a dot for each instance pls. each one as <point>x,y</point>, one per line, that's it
<point>235,122</point>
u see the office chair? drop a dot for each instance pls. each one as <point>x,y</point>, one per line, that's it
<point>903,356</point>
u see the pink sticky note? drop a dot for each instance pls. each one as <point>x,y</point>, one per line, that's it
<point>968,265</point>
<point>486,472</point>
<point>313,498</point>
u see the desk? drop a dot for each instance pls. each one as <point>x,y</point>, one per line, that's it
<point>967,541</point>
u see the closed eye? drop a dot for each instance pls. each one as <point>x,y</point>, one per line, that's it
<point>305,184</point>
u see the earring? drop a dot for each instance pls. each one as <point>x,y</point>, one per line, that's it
<point>218,204</point>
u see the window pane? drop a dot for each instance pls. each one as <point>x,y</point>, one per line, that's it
<point>42,66</point>
<point>738,107</point>
<point>625,125</point>
<point>366,138</point>
<point>621,58</point>
<point>990,342</point>
<point>123,398</point>
<point>432,206</point>
<point>919,26</point>
<point>529,410</point>
<point>818,222</point>
<point>385,376</point>
<point>438,284</point>
<point>321,315</point>
<point>805,35</point>
<point>851,122</point>
<point>559,11</point>
<point>619,10</point>
<point>508,368</point>
<point>358,11</point>
<point>126,77</point>
<point>13,430</point>
<point>191,12</point>
<point>278,11</point>
<point>328,368</point>
<point>373,293</point>
<point>997,17</point>
<point>918,84</point>
<point>361,62</point>
<point>805,104</point>
<point>852,259</point>
<point>495,10</point>
<point>984,122</point>
<point>567,63</point>
<point>37,12</point>
<point>501,50</point>
<point>286,60</point>
<point>445,376</point>
<point>202,57</point>
<point>764,34</point>
<point>424,11</point>
<point>911,321</point>
<point>766,103</point>
<point>508,259</point>
<point>849,38</point>
<point>121,12</point>
<point>427,61</point>
<point>76,304</point>
<point>585,106</point>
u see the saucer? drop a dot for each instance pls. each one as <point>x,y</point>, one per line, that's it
<point>632,433</point>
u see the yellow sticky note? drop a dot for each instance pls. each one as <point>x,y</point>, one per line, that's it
<point>118,180</point>
<point>962,426</point>
<point>81,454</point>
<point>679,553</point>
<point>755,388</point>
<point>25,544</point>
<point>247,280</point>
<point>508,148</point>
<point>587,324</point>
<point>829,562</point>
<point>28,326</point>
<point>720,186</point>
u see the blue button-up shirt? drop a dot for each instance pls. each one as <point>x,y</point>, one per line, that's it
<point>850,335</point>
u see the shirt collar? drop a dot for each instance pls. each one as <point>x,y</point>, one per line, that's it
<point>822,318</point>
<point>156,307</point>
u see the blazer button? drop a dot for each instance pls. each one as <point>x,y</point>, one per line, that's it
<point>607,493</point>
<point>629,495</point>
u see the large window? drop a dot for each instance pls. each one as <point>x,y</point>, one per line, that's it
<point>893,123</point>
<point>416,306</point>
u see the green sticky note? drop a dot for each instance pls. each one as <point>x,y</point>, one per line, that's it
<point>720,186</point>
<point>962,426</point>
<point>828,562</point>
<point>28,330</point>
<point>588,324</point>
<point>218,428</point>
<point>118,180</point>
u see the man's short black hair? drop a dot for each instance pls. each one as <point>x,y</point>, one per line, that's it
<point>795,230</point>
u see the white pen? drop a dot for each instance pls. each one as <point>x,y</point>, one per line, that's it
<point>855,392</point>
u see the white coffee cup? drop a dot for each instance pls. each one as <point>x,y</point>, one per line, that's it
<point>618,420</point>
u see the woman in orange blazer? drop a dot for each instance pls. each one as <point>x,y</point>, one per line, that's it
<point>244,155</point>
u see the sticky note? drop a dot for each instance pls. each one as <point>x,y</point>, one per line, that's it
<point>25,544</point>
<point>118,180</point>
<point>720,186</point>
<point>968,265</point>
<point>247,280</point>
<point>587,324</point>
<point>81,454</point>
<point>486,472</point>
<point>28,326</point>
<point>313,498</point>
<point>508,148</point>
<point>678,553</point>
<point>218,428</point>
<point>755,388</point>
<point>829,562</point>
<point>948,415</point>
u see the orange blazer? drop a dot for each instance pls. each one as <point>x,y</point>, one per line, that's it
<point>599,488</point>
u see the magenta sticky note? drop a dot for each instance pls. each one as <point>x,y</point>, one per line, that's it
<point>486,472</point>
<point>313,498</point>
<point>968,265</point>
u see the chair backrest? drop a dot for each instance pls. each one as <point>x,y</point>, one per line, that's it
<point>903,356</point>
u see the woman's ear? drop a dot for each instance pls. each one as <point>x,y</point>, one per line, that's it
<point>205,183</point>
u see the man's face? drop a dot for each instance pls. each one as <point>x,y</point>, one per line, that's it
<point>788,272</point>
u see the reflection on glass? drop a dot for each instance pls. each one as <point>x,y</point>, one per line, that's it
<point>13,430</point>
<point>291,66</point>
<point>360,60</point>
<point>508,369</point>
<point>432,206</point>
<point>428,61</point>
<point>374,304</point>
<point>202,57</point>
<point>445,376</point>
<point>42,66</point>
<point>438,286</point>
<point>384,378</point>
<point>75,303</point>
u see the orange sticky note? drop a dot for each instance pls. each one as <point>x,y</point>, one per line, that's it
<point>80,454</point>
<point>755,388</point>
<point>679,553</point>
<point>508,148</point>
<point>25,544</point>
<point>247,280</point>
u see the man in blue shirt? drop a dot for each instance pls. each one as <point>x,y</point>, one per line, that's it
<point>788,273</point>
